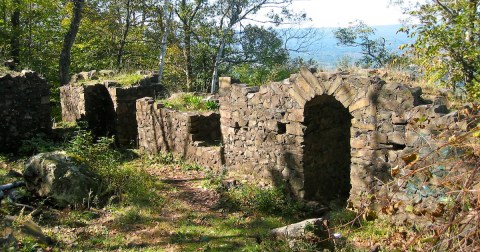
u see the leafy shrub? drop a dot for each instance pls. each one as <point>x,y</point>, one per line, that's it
<point>211,105</point>
<point>37,144</point>
<point>164,158</point>
<point>264,200</point>
<point>130,184</point>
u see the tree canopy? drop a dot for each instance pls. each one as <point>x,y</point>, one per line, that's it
<point>204,38</point>
<point>447,42</point>
<point>358,34</point>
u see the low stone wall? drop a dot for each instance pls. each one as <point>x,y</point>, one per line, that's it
<point>108,109</point>
<point>195,137</point>
<point>24,108</point>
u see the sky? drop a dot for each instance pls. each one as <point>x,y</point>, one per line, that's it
<point>335,13</point>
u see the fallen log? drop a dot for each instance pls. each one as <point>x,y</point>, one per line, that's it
<point>12,185</point>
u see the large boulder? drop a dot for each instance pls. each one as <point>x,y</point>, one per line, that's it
<point>61,178</point>
<point>300,229</point>
<point>307,230</point>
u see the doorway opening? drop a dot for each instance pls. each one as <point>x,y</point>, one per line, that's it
<point>327,152</point>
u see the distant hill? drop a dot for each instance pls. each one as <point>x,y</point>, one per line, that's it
<point>327,53</point>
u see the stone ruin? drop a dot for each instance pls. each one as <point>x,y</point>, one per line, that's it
<point>24,108</point>
<point>194,136</point>
<point>325,135</point>
<point>108,108</point>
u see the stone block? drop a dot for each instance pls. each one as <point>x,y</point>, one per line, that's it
<point>307,90</point>
<point>295,129</point>
<point>295,115</point>
<point>335,85</point>
<point>359,104</point>
<point>312,80</point>
<point>396,137</point>
<point>297,97</point>
<point>224,82</point>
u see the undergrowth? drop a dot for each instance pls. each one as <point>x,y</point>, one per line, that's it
<point>123,79</point>
<point>190,102</point>
<point>129,184</point>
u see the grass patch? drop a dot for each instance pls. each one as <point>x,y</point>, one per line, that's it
<point>128,79</point>
<point>254,199</point>
<point>190,102</point>
<point>122,79</point>
<point>127,181</point>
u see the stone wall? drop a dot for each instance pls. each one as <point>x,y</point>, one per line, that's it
<point>90,103</point>
<point>327,136</point>
<point>193,136</point>
<point>108,109</point>
<point>24,108</point>
<point>434,165</point>
<point>324,134</point>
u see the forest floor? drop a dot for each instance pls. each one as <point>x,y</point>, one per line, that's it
<point>189,214</point>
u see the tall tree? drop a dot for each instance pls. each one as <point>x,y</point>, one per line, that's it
<point>447,42</point>
<point>69,39</point>
<point>126,29</point>
<point>15,35</point>
<point>358,34</point>
<point>230,14</point>
<point>187,12</point>
<point>167,16</point>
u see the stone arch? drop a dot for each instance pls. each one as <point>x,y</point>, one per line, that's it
<point>265,130</point>
<point>334,119</point>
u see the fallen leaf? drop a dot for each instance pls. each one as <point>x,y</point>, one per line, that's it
<point>410,159</point>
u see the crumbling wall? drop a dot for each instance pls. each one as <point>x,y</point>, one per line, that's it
<point>124,99</point>
<point>24,108</point>
<point>108,108</point>
<point>90,103</point>
<point>193,136</point>
<point>327,136</point>
<point>267,131</point>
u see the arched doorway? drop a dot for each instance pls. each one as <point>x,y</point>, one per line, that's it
<point>327,155</point>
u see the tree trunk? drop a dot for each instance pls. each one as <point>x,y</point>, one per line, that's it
<point>124,37</point>
<point>14,39</point>
<point>188,56</point>
<point>168,17</point>
<point>217,62</point>
<point>65,55</point>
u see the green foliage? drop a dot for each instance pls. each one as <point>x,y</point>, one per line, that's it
<point>37,144</point>
<point>447,43</point>
<point>190,102</point>
<point>128,79</point>
<point>162,158</point>
<point>263,200</point>
<point>128,183</point>
<point>358,34</point>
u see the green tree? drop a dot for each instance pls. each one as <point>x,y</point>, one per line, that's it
<point>358,34</point>
<point>447,43</point>
<point>188,13</point>
<point>260,56</point>
<point>69,39</point>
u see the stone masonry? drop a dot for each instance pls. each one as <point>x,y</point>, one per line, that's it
<point>24,108</point>
<point>108,108</point>
<point>192,136</point>
<point>326,136</point>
